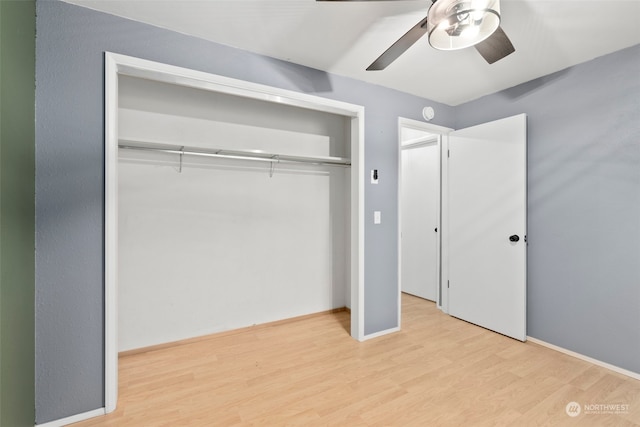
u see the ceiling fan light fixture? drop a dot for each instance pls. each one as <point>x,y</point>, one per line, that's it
<point>457,24</point>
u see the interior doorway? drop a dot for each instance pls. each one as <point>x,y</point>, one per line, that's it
<point>482,244</point>
<point>420,200</point>
<point>419,205</point>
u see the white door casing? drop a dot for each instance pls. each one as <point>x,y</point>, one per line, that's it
<point>487,203</point>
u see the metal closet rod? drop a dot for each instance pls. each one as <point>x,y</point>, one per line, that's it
<point>238,155</point>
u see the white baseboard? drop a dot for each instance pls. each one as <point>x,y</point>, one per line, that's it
<point>613,368</point>
<point>74,418</point>
<point>379,334</point>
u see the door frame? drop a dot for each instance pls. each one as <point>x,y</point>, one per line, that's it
<point>117,65</point>
<point>441,133</point>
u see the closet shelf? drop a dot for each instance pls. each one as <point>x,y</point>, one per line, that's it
<point>232,154</point>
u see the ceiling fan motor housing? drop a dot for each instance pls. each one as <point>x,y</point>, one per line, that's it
<point>457,24</point>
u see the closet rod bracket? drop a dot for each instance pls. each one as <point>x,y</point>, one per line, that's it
<point>275,159</point>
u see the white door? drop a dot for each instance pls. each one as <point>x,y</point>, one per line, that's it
<point>420,209</point>
<point>487,225</point>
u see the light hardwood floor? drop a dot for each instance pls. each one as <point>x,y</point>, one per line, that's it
<point>438,371</point>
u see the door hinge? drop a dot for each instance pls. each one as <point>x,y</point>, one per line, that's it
<point>447,284</point>
<point>448,153</point>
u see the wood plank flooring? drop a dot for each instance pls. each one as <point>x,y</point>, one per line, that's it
<point>438,371</point>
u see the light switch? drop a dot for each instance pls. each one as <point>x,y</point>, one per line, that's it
<point>377,218</point>
<point>374,176</point>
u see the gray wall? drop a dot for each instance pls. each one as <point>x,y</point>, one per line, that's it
<point>70,182</point>
<point>584,191</point>
<point>584,203</point>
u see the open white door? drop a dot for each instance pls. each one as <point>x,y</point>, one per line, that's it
<point>487,225</point>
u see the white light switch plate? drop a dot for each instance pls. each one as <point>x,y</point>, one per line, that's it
<point>377,218</point>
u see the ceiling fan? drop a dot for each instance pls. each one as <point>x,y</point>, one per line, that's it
<point>452,25</point>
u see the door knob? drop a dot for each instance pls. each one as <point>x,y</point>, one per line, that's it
<point>514,238</point>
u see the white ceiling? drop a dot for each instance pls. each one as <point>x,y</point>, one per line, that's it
<point>345,37</point>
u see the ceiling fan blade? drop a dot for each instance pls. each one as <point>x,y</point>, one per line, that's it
<point>399,47</point>
<point>496,47</point>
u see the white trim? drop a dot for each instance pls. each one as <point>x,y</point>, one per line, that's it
<point>438,252</point>
<point>115,65</point>
<point>111,233</point>
<point>380,333</point>
<point>429,127</point>
<point>420,142</point>
<point>74,418</point>
<point>357,227</point>
<point>443,296</point>
<point>596,362</point>
<point>526,221</point>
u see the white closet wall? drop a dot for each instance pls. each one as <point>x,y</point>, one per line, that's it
<point>222,245</point>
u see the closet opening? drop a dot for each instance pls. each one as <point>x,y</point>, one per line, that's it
<point>228,204</point>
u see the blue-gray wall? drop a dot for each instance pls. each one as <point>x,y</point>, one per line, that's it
<point>70,45</point>
<point>584,203</point>
<point>584,191</point>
